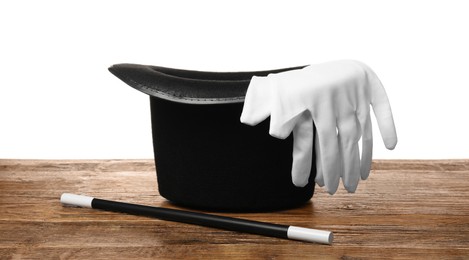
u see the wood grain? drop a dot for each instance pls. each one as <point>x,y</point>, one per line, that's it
<point>405,210</point>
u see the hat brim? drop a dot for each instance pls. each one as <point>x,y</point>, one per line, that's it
<point>189,86</point>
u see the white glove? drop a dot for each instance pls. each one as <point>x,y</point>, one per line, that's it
<point>336,97</point>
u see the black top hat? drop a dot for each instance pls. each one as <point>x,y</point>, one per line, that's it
<point>205,157</point>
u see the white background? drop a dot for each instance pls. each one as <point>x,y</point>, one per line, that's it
<point>57,99</point>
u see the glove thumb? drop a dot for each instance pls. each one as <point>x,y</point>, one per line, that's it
<point>257,102</point>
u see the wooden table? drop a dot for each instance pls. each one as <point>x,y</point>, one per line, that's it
<point>406,209</point>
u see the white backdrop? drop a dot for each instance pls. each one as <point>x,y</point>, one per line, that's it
<point>57,99</point>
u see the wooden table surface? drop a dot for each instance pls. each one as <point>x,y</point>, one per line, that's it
<point>405,210</point>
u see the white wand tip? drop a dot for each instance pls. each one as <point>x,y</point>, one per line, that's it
<point>310,235</point>
<point>76,200</point>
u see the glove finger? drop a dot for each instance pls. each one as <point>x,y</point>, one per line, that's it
<point>382,110</point>
<point>349,134</point>
<point>367,142</point>
<point>330,154</point>
<point>302,149</point>
<point>319,175</point>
